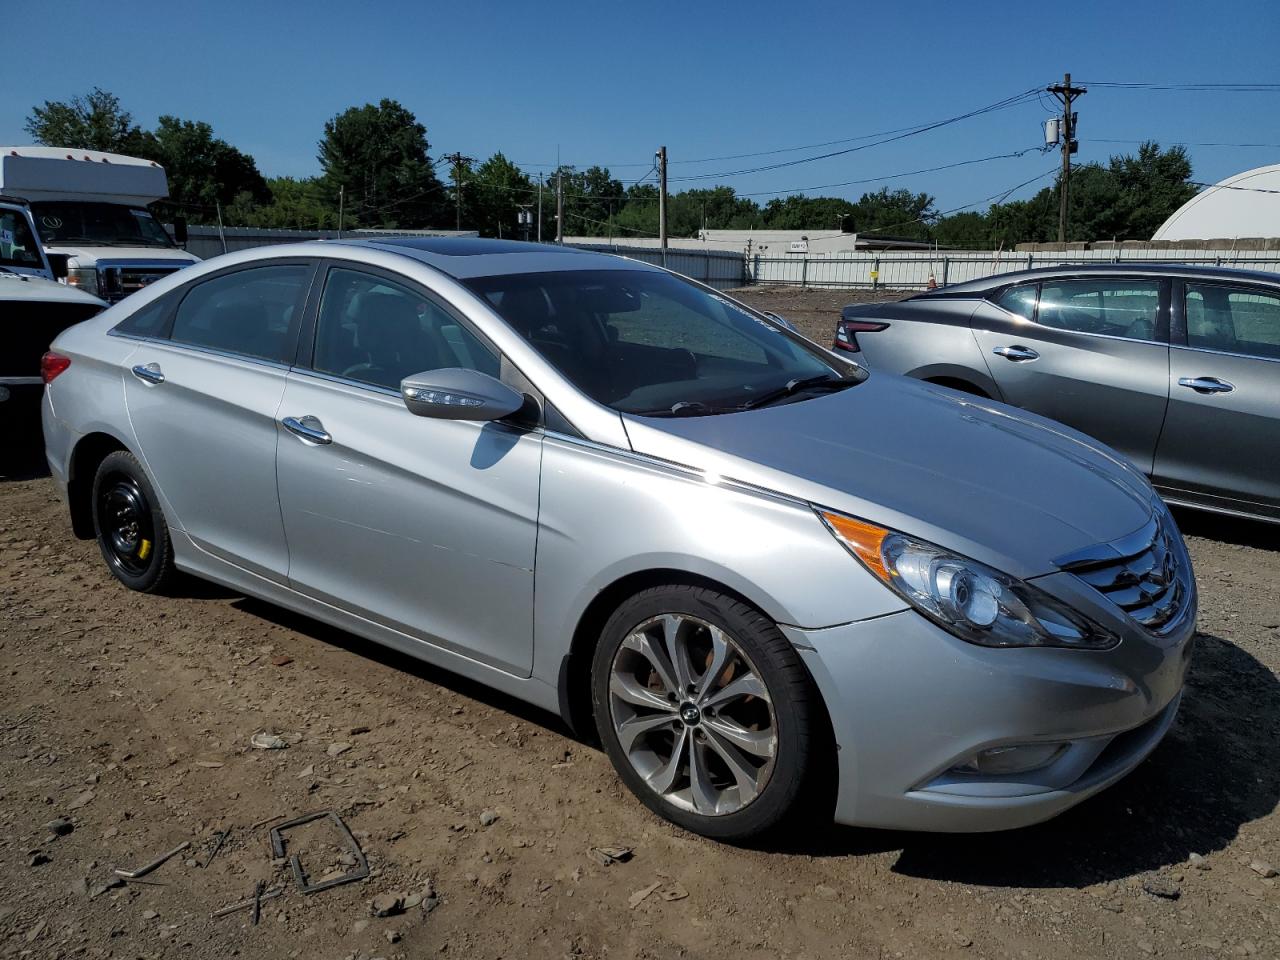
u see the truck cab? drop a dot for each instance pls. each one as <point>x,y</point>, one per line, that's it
<point>93,208</point>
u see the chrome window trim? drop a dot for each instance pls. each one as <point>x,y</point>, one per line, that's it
<point>346,382</point>
<point>1224,353</point>
<point>21,381</point>
<point>206,351</point>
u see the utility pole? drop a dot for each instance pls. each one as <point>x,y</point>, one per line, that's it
<point>459,162</point>
<point>662,201</point>
<point>539,206</point>
<point>342,196</point>
<point>559,206</point>
<point>1066,93</point>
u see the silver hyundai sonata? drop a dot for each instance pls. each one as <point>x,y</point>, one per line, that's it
<point>753,569</point>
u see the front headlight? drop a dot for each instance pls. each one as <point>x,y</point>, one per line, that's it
<point>84,278</point>
<point>966,598</point>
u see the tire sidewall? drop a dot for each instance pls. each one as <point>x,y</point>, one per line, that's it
<point>123,463</point>
<point>765,647</point>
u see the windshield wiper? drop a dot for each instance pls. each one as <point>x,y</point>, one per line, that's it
<point>684,408</point>
<point>823,381</point>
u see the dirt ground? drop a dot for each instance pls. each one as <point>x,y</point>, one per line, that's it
<point>130,718</point>
<point>813,312</point>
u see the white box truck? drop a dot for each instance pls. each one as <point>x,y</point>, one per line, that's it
<point>92,208</point>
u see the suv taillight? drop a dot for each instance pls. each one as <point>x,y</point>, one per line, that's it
<point>52,364</point>
<point>847,333</point>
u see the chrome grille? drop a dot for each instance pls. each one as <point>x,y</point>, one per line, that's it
<point>1147,574</point>
<point>120,281</point>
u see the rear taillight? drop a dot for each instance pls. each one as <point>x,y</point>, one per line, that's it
<point>847,333</point>
<point>52,364</point>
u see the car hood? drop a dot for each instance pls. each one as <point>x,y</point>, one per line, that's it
<point>997,484</point>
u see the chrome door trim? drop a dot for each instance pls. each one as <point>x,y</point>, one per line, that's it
<point>1017,353</point>
<point>307,428</point>
<point>21,381</point>
<point>148,372</point>
<point>1206,384</point>
<point>1224,353</point>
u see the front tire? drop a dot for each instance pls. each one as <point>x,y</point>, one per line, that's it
<point>130,527</point>
<point>705,710</point>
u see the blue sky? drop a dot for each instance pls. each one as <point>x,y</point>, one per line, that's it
<point>603,82</point>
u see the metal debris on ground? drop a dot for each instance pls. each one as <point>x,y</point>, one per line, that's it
<point>277,850</point>
<point>143,871</point>
<point>268,741</point>
<point>246,904</point>
<point>257,902</point>
<point>222,838</point>
<point>639,896</point>
<point>608,856</point>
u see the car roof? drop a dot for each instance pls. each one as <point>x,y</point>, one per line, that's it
<point>468,257</point>
<point>977,288</point>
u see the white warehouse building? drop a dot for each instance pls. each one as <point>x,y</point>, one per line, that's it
<point>1244,206</point>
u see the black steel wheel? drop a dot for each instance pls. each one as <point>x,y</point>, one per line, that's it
<point>130,527</point>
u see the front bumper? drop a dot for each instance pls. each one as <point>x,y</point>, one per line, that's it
<point>908,702</point>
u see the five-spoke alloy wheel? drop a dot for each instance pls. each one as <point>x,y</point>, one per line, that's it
<point>704,709</point>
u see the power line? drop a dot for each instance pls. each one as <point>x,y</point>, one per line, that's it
<point>1191,86</point>
<point>1187,143</point>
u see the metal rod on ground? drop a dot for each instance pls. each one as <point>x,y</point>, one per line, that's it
<point>143,871</point>
<point>244,904</point>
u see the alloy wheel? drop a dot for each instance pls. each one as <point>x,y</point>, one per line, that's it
<point>692,714</point>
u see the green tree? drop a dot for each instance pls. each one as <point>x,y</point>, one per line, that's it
<point>493,194</point>
<point>377,153</point>
<point>203,170</point>
<point>95,121</point>
<point>798,212</point>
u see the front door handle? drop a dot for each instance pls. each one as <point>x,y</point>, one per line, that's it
<point>149,373</point>
<point>308,428</point>
<point>1206,384</point>
<point>1017,354</point>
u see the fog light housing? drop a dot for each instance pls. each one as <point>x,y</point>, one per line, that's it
<point>1010,759</point>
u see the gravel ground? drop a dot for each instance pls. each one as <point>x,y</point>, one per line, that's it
<point>129,717</point>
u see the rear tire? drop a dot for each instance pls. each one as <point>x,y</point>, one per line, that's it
<point>705,710</point>
<point>130,527</point>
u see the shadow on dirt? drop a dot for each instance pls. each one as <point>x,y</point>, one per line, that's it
<point>1213,773</point>
<point>404,663</point>
<point>1225,529</point>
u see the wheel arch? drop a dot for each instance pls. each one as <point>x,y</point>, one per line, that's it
<point>962,378</point>
<point>89,451</point>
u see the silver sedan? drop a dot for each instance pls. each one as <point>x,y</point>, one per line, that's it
<point>769,581</point>
<point>1176,367</point>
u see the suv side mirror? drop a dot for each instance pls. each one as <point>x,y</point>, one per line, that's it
<point>459,394</point>
<point>58,264</point>
<point>180,231</point>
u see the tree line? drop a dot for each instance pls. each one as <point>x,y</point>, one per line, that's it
<point>376,170</point>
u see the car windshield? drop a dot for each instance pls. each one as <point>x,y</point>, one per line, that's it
<point>111,224</point>
<point>654,344</point>
<point>18,247</point>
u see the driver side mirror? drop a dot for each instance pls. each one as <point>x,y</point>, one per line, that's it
<point>58,264</point>
<point>180,231</point>
<point>456,393</point>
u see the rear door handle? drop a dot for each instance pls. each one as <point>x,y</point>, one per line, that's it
<point>1206,384</point>
<point>308,428</point>
<point>149,373</point>
<point>1016,353</point>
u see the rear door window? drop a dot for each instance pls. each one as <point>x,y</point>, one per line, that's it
<point>1114,308</point>
<point>1233,320</point>
<point>1020,300</point>
<point>252,312</point>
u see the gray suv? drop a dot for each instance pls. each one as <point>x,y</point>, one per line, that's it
<point>1176,367</point>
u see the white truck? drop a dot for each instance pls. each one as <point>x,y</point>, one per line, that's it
<point>92,208</point>
<point>33,310</point>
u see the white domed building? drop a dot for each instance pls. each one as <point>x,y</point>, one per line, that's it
<point>1245,205</point>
